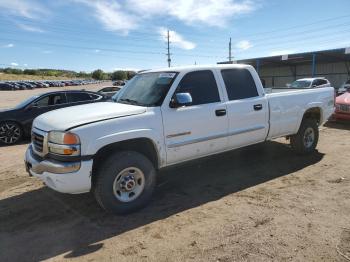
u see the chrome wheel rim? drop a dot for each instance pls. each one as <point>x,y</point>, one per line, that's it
<point>9,133</point>
<point>128,184</point>
<point>309,137</point>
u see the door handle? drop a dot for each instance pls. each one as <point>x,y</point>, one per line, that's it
<point>220,112</point>
<point>258,107</point>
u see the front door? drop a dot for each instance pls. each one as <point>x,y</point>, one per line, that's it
<point>198,129</point>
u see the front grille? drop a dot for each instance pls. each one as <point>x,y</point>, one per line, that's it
<point>345,108</point>
<point>38,142</point>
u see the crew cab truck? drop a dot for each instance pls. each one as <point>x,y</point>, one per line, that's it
<point>162,118</point>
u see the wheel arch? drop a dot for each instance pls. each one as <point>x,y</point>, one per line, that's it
<point>141,145</point>
<point>313,112</point>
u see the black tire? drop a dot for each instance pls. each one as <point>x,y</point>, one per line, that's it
<point>300,143</point>
<point>103,188</point>
<point>10,133</point>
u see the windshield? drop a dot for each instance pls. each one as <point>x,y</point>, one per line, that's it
<point>146,89</point>
<point>26,102</point>
<point>300,84</point>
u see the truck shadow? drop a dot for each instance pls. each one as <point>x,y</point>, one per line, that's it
<point>42,224</point>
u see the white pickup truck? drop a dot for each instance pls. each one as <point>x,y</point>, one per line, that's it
<point>165,117</point>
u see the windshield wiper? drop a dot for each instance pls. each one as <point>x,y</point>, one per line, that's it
<point>131,101</point>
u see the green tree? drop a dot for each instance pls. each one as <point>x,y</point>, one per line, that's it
<point>131,74</point>
<point>30,71</point>
<point>98,74</point>
<point>119,75</point>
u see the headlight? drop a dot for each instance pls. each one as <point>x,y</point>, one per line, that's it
<point>64,143</point>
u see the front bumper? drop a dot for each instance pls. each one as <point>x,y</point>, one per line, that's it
<point>64,177</point>
<point>341,115</point>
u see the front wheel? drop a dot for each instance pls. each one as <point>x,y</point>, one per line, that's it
<point>305,141</point>
<point>10,133</point>
<point>125,182</point>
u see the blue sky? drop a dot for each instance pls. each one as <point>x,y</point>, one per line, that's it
<point>84,35</point>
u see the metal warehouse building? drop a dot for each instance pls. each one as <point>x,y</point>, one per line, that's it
<point>277,71</point>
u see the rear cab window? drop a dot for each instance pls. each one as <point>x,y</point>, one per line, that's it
<point>239,84</point>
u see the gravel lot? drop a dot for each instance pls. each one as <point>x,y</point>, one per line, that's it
<point>261,203</point>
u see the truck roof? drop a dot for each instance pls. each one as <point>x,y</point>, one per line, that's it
<point>195,67</point>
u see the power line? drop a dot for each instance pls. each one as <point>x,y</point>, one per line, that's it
<point>193,35</point>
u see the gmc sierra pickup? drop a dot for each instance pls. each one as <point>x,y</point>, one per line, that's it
<point>165,117</point>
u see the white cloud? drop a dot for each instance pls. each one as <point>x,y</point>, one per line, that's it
<point>123,16</point>
<point>47,52</point>
<point>97,50</point>
<point>23,8</point>
<point>25,65</point>
<point>244,45</point>
<point>8,45</point>
<point>14,64</point>
<point>176,39</point>
<point>207,12</point>
<point>112,16</point>
<point>30,28</point>
<point>281,52</point>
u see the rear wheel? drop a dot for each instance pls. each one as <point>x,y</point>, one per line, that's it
<point>305,141</point>
<point>10,133</point>
<point>125,182</point>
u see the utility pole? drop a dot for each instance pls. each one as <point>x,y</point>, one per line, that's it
<point>229,51</point>
<point>168,54</point>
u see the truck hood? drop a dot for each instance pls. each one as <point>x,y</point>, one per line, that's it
<point>343,99</point>
<point>67,118</point>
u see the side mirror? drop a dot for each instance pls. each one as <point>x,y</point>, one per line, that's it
<point>181,99</point>
<point>314,85</point>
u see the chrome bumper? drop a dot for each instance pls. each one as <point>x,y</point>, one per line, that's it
<point>36,165</point>
<point>64,177</point>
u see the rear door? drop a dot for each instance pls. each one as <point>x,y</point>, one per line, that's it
<point>201,128</point>
<point>247,109</point>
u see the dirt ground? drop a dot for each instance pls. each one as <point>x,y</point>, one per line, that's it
<point>260,203</point>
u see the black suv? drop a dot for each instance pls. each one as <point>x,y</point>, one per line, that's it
<point>16,123</point>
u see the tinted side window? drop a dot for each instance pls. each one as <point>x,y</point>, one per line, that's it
<point>322,82</point>
<point>43,101</point>
<point>239,83</point>
<point>201,85</point>
<point>51,100</point>
<point>78,97</point>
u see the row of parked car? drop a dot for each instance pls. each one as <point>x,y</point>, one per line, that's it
<point>23,85</point>
<point>342,101</point>
<point>16,122</point>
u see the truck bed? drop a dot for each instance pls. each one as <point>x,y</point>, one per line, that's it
<point>287,106</point>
